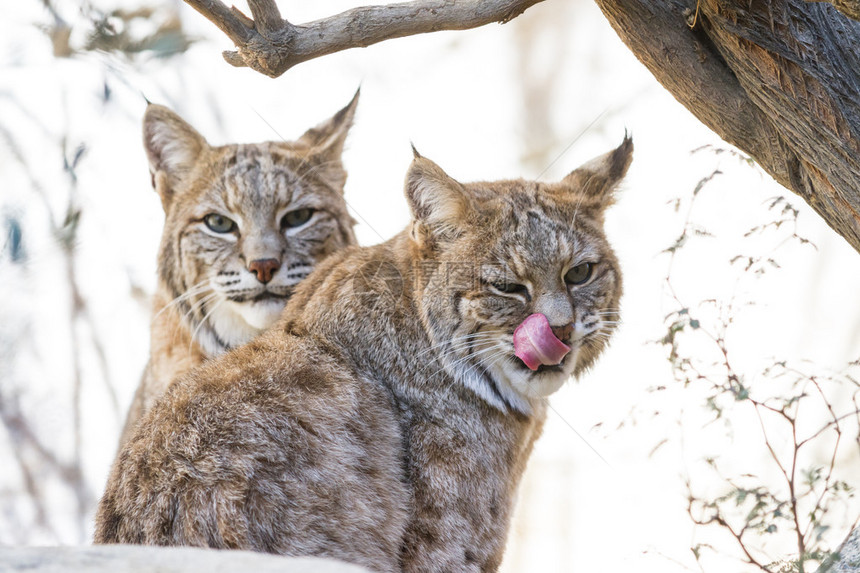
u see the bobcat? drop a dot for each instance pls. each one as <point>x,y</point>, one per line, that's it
<point>244,223</point>
<point>385,419</point>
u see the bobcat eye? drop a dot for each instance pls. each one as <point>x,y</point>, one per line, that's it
<point>510,288</point>
<point>296,218</point>
<point>219,223</point>
<point>579,274</point>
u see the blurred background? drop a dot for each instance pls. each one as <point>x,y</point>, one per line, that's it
<point>741,314</point>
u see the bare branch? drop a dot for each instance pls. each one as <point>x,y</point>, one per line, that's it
<point>266,16</point>
<point>272,45</point>
<point>235,26</point>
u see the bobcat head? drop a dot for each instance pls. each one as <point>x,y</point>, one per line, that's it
<point>493,254</point>
<point>244,223</point>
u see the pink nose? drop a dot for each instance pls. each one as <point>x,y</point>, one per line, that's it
<point>264,269</point>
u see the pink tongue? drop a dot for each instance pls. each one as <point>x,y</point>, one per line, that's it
<point>536,344</point>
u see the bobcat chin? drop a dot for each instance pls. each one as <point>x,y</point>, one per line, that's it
<point>386,419</point>
<point>244,224</point>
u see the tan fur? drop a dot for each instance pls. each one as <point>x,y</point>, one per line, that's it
<point>384,420</point>
<point>218,290</point>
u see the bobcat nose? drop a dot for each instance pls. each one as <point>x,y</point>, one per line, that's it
<point>264,269</point>
<point>563,332</point>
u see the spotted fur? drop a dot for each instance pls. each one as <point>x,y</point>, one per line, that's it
<point>384,420</point>
<point>217,290</point>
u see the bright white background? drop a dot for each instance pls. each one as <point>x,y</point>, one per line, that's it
<point>498,102</point>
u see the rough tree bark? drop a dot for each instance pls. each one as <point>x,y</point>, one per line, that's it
<point>850,8</point>
<point>848,558</point>
<point>271,45</point>
<point>780,80</point>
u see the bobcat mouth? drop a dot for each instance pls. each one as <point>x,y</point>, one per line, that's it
<point>270,296</point>
<point>263,296</point>
<point>542,369</point>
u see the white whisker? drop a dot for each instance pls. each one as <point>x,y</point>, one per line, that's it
<point>198,304</point>
<point>448,344</point>
<point>199,288</point>
<point>203,321</point>
<point>458,363</point>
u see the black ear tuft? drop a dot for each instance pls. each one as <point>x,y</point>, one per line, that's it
<point>325,143</point>
<point>438,202</point>
<point>348,112</point>
<point>326,140</point>
<point>620,158</point>
<point>596,180</point>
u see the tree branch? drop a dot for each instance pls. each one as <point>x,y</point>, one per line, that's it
<point>271,45</point>
<point>779,80</point>
<point>267,17</point>
<point>228,21</point>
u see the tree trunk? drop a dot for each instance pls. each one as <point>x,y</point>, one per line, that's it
<point>778,79</point>
<point>848,558</point>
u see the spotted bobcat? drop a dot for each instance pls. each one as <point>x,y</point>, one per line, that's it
<point>387,418</point>
<point>244,224</point>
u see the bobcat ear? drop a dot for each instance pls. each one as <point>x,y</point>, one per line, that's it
<point>596,180</point>
<point>438,202</point>
<point>172,147</point>
<point>326,141</point>
<point>328,137</point>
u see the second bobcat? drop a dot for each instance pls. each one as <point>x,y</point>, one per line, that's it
<point>244,224</point>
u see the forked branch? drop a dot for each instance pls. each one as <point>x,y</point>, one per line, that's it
<point>271,45</point>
